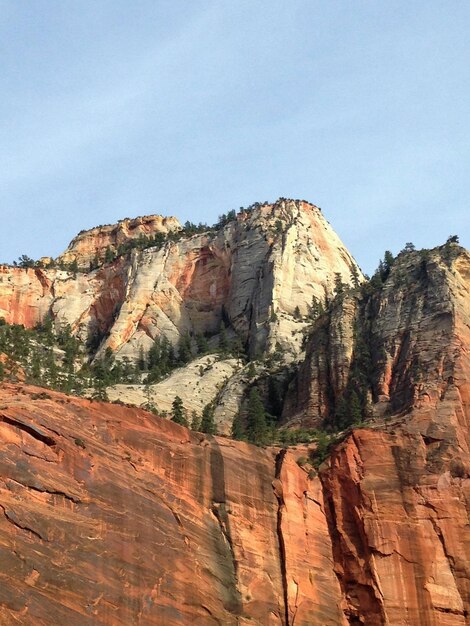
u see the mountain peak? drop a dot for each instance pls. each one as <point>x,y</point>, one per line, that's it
<point>90,245</point>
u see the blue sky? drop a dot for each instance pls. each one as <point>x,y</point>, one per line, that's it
<point>112,109</point>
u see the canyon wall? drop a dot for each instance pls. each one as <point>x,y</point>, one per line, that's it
<point>405,339</point>
<point>114,516</point>
<point>111,515</point>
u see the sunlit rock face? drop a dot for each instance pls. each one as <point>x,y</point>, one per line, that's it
<point>90,245</point>
<point>252,274</point>
<point>110,515</point>
<point>114,516</point>
<point>258,276</point>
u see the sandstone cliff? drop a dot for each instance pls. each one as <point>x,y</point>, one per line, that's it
<point>397,491</point>
<point>400,344</point>
<point>113,516</point>
<point>252,273</point>
<point>90,245</point>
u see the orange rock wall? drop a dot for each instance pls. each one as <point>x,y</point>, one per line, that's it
<point>90,245</point>
<point>400,530</point>
<point>109,515</point>
<point>25,295</point>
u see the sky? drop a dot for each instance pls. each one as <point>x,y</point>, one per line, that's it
<point>119,108</point>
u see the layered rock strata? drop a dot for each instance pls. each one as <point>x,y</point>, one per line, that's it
<point>114,516</point>
<point>90,246</point>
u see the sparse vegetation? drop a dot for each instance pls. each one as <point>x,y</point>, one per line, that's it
<point>178,412</point>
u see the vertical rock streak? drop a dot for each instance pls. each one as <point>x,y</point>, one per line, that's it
<point>280,536</point>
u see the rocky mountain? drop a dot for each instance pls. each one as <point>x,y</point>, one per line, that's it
<point>256,276</point>
<point>111,515</point>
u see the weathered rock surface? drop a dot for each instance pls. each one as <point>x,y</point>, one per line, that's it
<point>412,329</point>
<point>252,274</point>
<point>90,245</point>
<point>197,384</point>
<point>110,515</point>
<point>398,509</point>
<point>397,493</point>
<point>114,516</point>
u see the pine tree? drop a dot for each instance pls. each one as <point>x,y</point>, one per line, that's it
<point>202,344</point>
<point>388,262</point>
<point>94,263</point>
<point>178,412</point>
<point>36,367</point>
<point>2,371</point>
<point>257,428</point>
<point>409,247</point>
<point>195,421</point>
<point>342,413</point>
<point>251,373</point>
<point>355,411</point>
<point>169,352</point>
<point>141,361</point>
<point>275,396</point>
<point>184,349</point>
<point>100,391</point>
<point>355,276</point>
<point>339,285</point>
<point>207,421</point>
<point>109,255</point>
<point>236,347</point>
<point>73,267</point>
<point>238,428</point>
<point>154,354</point>
<point>316,308</point>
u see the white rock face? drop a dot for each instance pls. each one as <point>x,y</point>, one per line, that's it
<point>197,384</point>
<point>253,274</point>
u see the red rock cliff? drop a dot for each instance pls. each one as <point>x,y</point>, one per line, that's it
<point>113,516</point>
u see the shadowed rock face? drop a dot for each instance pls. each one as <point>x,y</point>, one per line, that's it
<point>416,331</point>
